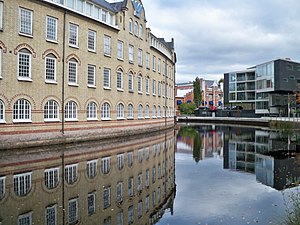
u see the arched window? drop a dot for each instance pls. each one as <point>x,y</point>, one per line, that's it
<point>158,112</point>
<point>24,64</point>
<point>120,79</point>
<point>73,71</point>
<point>130,111</point>
<point>140,83</point>
<point>147,85</point>
<point>22,183</point>
<point>147,113</point>
<point>141,31</point>
<point>120,111</point>
<point>2,112</point>
<point>105,111</point>
<point>91,111</point>
<point>130,26</point>
<point>51,111</point>
<point>71,111</point>
<point>136,29</point>
<point>154,112</point>
<point>51,177</point>
<point>140,111</point>
<point>50,68</point>
<point>22,111</point>
<point>163,112</point>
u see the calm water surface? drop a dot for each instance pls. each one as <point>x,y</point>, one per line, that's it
<point>191,175</point>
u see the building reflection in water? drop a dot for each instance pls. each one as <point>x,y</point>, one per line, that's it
<point>271,156</point>
<point>125,182</point>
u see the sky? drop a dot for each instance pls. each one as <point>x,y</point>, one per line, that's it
<point>213,37</point>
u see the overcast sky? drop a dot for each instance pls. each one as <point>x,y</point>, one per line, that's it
<point>217,36</point>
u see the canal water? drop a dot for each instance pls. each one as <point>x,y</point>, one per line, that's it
<point>195,174</point>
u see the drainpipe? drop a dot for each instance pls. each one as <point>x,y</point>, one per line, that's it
<point>63,76</point>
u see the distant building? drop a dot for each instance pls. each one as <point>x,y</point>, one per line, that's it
<point>268,88</point>
<point>212,93</point>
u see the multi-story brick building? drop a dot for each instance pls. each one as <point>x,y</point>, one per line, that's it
<point>76,64</point>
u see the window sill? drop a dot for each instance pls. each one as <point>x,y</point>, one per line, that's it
<point>92,51</point>
<point>131,91</point>
<point>154,94</point>
<point>107,88</point>
<point>92,119</point>
<point>130,118</point>
<point>52,41</point>
<point>71,120</point>
<point>92,86</point>
<point>140,118</point>
<point>131,62</point>
<point>153,117</point>
<point>2,121</point>
<point>120,118</point>
<point>121,59</point>
<point>26,35</point>
<point>107,55</point>
<point>73,84</point>
<point>140,92</point>
<point>26,79</point>
<point>140,65</point>
<point>106,119</point>
<point>148,93</point>
<point>22,121</point>
<point>50,82</point>
<point>147,117</point>
<point>120,89</point>
<point>73,46</point>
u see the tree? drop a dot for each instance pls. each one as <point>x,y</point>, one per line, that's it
<point>187,108</point>
<point>197,92</point>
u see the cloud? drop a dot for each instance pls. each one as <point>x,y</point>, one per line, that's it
<point>213,37</point>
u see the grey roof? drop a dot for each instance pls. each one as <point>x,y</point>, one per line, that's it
<point>119,5</point>
<point>114,7</point>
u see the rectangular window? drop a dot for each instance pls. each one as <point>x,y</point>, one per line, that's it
<point>140,84</point>
<point>79,5</point>
<point>2,187</point>
<point>91,75</point>
<point>120,161</point>
<point>147,178</point>
<point>51,28</point>
<point>107,50</point>
<point>147,205</point>
<point>130,186</point>
<point>140,182</point>
<point>88,8</point>
<point>1,15</point>
<point>104,15</point>
<point>119,192</point>
<point>140,155</point>
<point>22,184</point>
<point>72,72</point>
<point>71,173</point>
<point>106,197</point>
<point>130,82</point>
<point>1,52</point>
<point>91,203</point>
<point>91,168</point>
<point>140,209</point>
<point>154,63</point>
<point>147,85</point>
<point>154,87</point>
<point>159,65</point>
<point>130,215</point>
<point>130,159</point>
<point>92,40</point>
<point>120,218</point>
<point>120,50</point>
<point>106,78</point>
<point>140,57</point>
<point>51,177</point>
<point>25,21</point>
<point>50,69</point>
<point>105,165</point>
<point>73,35</point>
<point>51,215</point>
<point>131,54</point>
<point>158,88</point>
<point>73,211</point>
<point>24,65</point>
<point>25,219</point>
<point>119,80</point>
<point>148,60</point>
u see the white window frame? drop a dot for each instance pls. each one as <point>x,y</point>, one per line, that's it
<point>91,40</point>
<point>91,76</point>
<point>131,54</point>
<point>120,218</point>
<point>140,57</point>
<point>130,26</point>
<point>107,48</point>
<point>147,85</point>
<point>119,192</point>
<point>130,186</point>
<point>91,111</point>
<point>140,209</point>
<point>51,178</point>
<point>141,31</point>
<point>28,56</point>
<point>154,112</point>
<point>27,217</point>
<point>106,197</point>
<point>73,35</point>
<point>130,111</point>
<point>120,161</point>
<point>51,28</point>
<point>22,183</point>
<point>50,61</point>
<point>154,63</point>
<point>2,112</point>
<point>147,112</point>
<point>120,111</point>
<point>120,80</point>
<point>105,111</point>
<point>22,111</point>
<point>2,187</point>
<point>1,15</point>
<point>71,173</point>
<point>140,111</point>
<point>140,84</point>
<point>140,182</point>
<point>130,82</point>
<point>27,21</point>
<point>105,165</point>
<point>91,200</point>
<point>51,215</point>
<point>73,211</point>
<point>159,66</point>
<point>158,112</point>
<point>147,60</point>
<point>73,72</point>
<point>106,78</point>
<point>130,159</point>
<point>130,214</point>
<point>71,111</point>
<point>1,61</point>
<point>136,29</point>
<point>154,87</point>
<point>120,47</point>
<point>147,179</point>
<point>91,168</point>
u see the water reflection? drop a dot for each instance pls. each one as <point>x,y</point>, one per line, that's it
<point>124,182</point>
<point>273,157</point>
